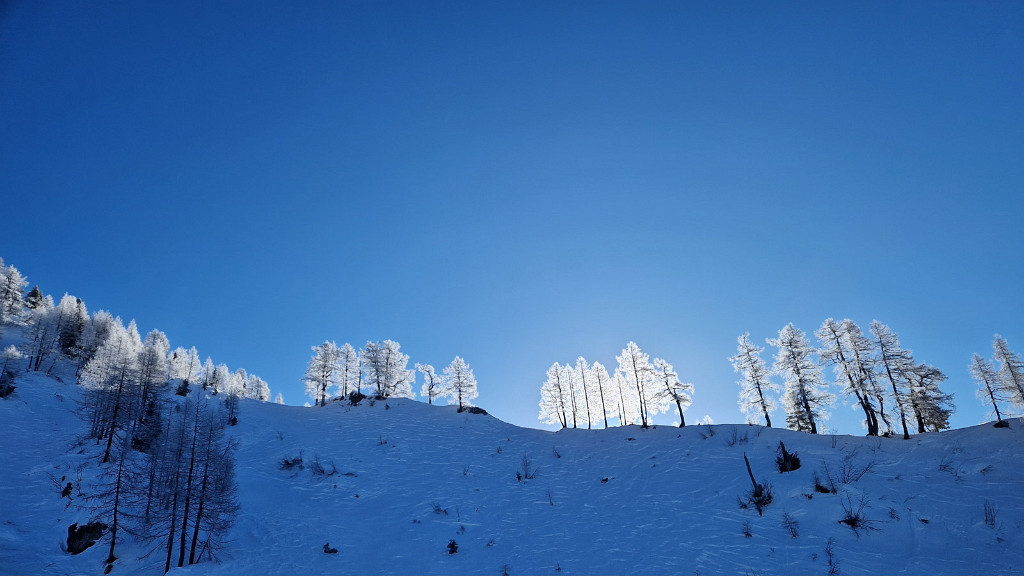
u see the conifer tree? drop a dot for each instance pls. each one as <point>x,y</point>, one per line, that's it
<point>322,372</point>
<point>671,389</point>
<point>12,285</point>
<point>584,380</point>
<point>756,381</point>
<point>432,384</point>
<point>460,383</point>
<point>851,374</point>
<point>896,363</point>
<point>607,392</point>
<point>1011,371</point>
<point>351,372</point>
<point>806,397</point>
<point>989,390</point>
<point>932,407</point>
<point>553,401</point>
<point>636,370</point>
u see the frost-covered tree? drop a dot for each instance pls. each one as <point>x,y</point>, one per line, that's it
<point>806,398</point>
<point>35,298</point>
<point>351,372</point>
<point>207,373</point>
<point>671,390</point>
<point>385,368</point>
<point>433,385</point>
<point>585,389</point>
<point>851,375</point>
<point>154,369</point>
<point>323,372</point>
<point>111,377</point>
<point>12,286</point>
<point>279,399</point>
<point>755,382</point>
<point>220,382</point>
<point>95,334</point>
<point>932,407</point>
<point>73,329</point>
<point>553,404</point>
<point>607,392</point>
<point>256,388</point>
<point>896,364</point>
<point>629,405</point>
<point>1011,371</point>
<point>460,383</point>
<point>989,390</point>
<point>636,370</point>
<point>863,357</point>
<point>185,364</point>
<point>41,335</point>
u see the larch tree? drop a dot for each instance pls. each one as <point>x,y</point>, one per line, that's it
<point>607,392</point>
<point>584,381</point>
<point>989,389</point>
<point>896,364</point>
<point>1011,371</point>
<point>806,398</point>
<point>12,286</point>
<point>553,400</point>
<point>863,357</point>
<point>322,372</point>
<point>850,374</point>
<point>432,383</point>
<point>932,407</point>
<point>460,383</point>
<point>34,298</point>
<point>351,372</point>
<point>629,405</point>
<point>185,365</point>
<point>755,382</point>
<point>112,378</point>
<point>635,367</point>
<point>256,388</point>
<point>154,368</point>
<point>671,389</point>
<point>385,367</point>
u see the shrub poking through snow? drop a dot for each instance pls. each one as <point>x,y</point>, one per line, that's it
<point>453,546</point>
<point>786,461</point>
<point>760,495</point>
<point>853,515</point>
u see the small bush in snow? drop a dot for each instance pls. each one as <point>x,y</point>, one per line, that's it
<point>453,546</point>
<point>436,508</point>
<point>790,524</point>
<point>833,562</point>
<point>528,470</point>
<point>785,460</point>
<point>822,488</point>
<point>853,515</point>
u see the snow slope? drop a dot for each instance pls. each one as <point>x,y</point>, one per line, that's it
<point>411,477</point>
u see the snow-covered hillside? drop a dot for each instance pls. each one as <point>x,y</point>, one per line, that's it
<point>402,479</point>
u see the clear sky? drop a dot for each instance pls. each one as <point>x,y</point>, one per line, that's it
<point>521,183</point>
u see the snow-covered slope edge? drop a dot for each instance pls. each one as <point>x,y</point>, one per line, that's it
<point>410,478</point>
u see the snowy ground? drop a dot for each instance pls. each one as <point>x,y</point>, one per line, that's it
<point>669,504</point>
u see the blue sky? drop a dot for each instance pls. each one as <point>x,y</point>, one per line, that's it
<point>521,183</point>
